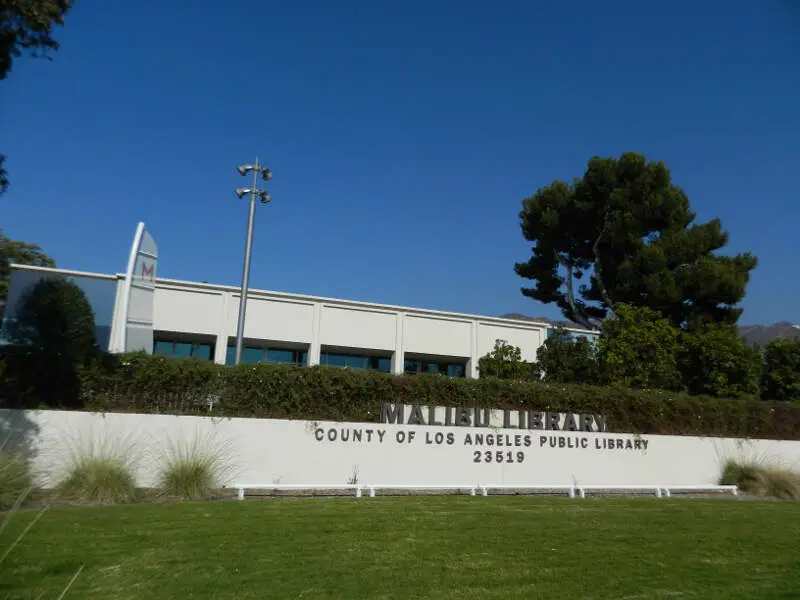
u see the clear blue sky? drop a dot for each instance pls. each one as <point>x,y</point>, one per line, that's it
<point>403,136</point>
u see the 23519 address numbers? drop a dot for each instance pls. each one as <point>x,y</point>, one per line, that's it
<point>497,456</point>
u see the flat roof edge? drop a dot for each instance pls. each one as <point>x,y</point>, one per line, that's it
<point>178,283</point>
<point>360,303</point>
<point>58,271</point>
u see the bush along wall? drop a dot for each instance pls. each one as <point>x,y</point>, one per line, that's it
<point>152,384</point>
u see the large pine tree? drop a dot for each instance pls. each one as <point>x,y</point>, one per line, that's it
<point>624,233</point>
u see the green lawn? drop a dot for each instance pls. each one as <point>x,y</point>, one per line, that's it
<point>440,547</point>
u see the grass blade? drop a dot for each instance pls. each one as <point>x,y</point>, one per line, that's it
<point>22,535</point>
<point>71,581</point>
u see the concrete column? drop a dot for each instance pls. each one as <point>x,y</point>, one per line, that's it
<point>399,356</point>
<point>221,347</point>
<point>314,347</point>
<point>541,335</point>
<point>472,363</point>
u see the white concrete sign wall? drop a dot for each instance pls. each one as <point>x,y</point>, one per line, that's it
<point>268,451</point>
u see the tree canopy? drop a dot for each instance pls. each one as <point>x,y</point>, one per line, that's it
<point>504,362</point>
<point>782,370</point>
<point>26,26</point>
<point>21,253</point>
<point>624,233</point>
<point>564,358</point>
<point>715,361</point>
<point>639,348</point>
<point>3,175</point>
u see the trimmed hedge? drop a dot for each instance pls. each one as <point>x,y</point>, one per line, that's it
<point>153,384</point>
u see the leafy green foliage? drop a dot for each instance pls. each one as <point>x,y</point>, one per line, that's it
<point>55,326</point>
<point>4,183</point>
<point>27,26</point>
<point>629,230</point>
<point>782,370</point>
<point>762,480</point>
<point>21,253</point>
<point>15,477</point>
<point>564,358</point>
<point>504,362</point>
<point>154,384</point>
<point>639,349</point>
<point>716,361</point>
<point>142,383</point>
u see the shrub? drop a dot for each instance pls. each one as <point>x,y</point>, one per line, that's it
<point>782,370</point>
<point>156,384</point>
<point>16,389</point>
<point>639,348</point>
<point>15,478</point>
<point>762,480</point>
<point>504,362</point>
<point>716,361</point>
<point>564,358</point>
<point>100,472</point>
<point>194,470</point>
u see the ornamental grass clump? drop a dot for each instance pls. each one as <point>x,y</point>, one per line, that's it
<point>766,481</point>
<point>100,473</point>
<point>194,470</point>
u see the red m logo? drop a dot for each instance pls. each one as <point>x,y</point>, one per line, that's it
<point>148,271</point>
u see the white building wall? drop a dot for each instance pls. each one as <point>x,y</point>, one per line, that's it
<point>526,340</point>
<point>338,325</point>
<point>223,328</point>
<point>187,311</point>
<point>314,349</point>
<point>201,312</point>
<point>428,335</point>
<point>264,451</point>
<point>356,327</point>
<point>272,319</point>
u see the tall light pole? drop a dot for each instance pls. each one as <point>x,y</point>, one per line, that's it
<point>262,195</point>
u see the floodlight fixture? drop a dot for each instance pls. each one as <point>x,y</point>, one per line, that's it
<point>264,196</point>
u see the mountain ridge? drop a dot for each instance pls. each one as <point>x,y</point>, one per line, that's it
<point>752,334</point>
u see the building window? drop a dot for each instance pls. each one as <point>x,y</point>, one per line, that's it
<point>355,361</point>
<point>415,366</point>
<point>183,349</point>
<point>252,354</point>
